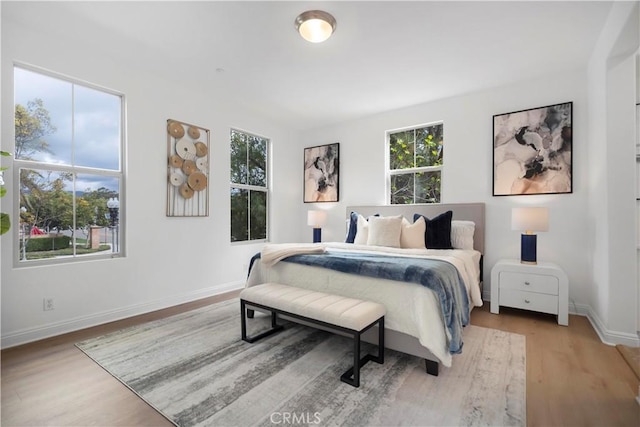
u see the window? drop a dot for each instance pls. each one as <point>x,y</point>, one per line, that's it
<point>415,164</point>
<point>68,166</point>
<point>249,189</point>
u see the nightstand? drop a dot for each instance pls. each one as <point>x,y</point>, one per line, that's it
<point>542,287</point>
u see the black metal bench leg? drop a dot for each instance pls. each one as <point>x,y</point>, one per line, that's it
<point>380,358</point>
<point>243,324</point>
<point>352,375</point>
<point>250,313</point>
<point>243,321</point>
<point>356,360</point>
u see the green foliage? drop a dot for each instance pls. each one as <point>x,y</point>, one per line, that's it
<point>47,203</point>
<point>239,215</point>
<point>5,220</point>
<point>94,207</point>
<point>48,243</point>
<point>248,215</point>
<point>239,167</point>
<point>5,223</point>
<point>248,159</point>
<point>67,252</point>
<point>411,149</point>
<point>248,169</point>
<point>32,124</point>
<point>258,208</point>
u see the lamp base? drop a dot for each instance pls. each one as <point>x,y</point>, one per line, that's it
<point>317,235</point>
<point>528,249</point>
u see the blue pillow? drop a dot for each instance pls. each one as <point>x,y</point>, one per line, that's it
<point>438,233</point>
<point>353,227</point>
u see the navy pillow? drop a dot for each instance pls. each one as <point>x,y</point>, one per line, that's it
<point>353,227</point>
<point>438,234</point>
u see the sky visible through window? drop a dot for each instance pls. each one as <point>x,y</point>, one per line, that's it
<point>87,122</point>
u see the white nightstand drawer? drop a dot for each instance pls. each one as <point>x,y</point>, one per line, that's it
<point>529,282</point>
<point>529,300</point>
<point>541,287</point>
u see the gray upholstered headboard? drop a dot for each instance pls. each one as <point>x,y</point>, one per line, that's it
<point>461,211</point>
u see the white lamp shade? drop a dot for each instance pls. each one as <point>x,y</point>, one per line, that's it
<point>530,219</point>
<point>316,219</point>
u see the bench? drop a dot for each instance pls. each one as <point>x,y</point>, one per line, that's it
<point>347,315</point>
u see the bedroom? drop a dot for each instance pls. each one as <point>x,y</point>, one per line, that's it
<point>590,239</point>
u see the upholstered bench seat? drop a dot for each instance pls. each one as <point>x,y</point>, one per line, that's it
<point>348,315</point>
<point>337,310</point>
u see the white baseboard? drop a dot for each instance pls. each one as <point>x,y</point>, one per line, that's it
<point>608,336</point>
<point>38,333</point>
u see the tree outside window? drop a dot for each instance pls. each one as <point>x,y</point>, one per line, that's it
<point>249,189</point>
<point>68,150</point>
<point>415,164</point>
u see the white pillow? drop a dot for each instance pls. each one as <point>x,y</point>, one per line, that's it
<point>462,234</point>
<point>385,231</point>
<point>412,235</point>
<point>363,231</point>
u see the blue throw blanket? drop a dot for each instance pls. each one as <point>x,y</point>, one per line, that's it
<point>440,276</point>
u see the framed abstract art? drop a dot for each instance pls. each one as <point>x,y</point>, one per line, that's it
<point>532,151</point>
<point>322,173</point>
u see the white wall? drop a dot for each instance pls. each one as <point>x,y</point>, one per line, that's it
<point>468,170</point>
<point>168,260</point>
<point>611,140</point>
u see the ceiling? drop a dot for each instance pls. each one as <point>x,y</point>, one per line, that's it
<point>383,55</point>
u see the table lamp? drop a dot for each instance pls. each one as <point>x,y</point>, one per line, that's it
<point>316,219</point>
<point>529,220</point>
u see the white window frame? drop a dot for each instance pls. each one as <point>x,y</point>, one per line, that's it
<point>391,172</point>
<point>266,190</point>
<point>18,164</point>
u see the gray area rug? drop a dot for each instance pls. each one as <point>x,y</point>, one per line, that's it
<point>196,371</point>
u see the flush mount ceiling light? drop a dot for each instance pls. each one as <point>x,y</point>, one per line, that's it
<point>315,25</point>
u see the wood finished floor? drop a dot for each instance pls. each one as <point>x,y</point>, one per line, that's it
<point>572,378</point>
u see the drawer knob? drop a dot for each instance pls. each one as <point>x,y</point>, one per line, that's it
<point>527,283</point>
<point>527,301</point>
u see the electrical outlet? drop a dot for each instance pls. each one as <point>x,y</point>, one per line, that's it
<point>47,304</point>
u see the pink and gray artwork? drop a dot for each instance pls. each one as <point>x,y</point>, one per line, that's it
<point>532,151</point>
<point>321,173</point>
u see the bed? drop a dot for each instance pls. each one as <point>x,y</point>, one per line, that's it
<point>417,322</point>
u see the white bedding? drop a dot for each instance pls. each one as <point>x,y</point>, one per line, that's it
<point>411,308</point>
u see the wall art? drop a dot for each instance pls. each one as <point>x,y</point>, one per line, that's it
<point>322,173</point>
<point>532,151</point>
<point>187,169</point>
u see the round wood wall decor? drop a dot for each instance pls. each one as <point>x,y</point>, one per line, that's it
<point>197,181</point>
<point>201,149</point>
<point>175,129</point>
<point>194,132</point>
<point>187,169</point>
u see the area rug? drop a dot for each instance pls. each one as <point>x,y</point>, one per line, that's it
<point>194,369</point>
